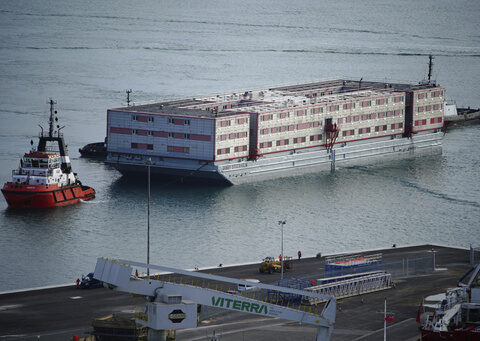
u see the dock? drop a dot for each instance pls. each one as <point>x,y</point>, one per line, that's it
<point>59,313</point>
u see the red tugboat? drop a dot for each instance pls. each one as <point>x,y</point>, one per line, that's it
<point>45,178</point>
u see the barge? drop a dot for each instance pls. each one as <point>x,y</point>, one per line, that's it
<point>275,132</point>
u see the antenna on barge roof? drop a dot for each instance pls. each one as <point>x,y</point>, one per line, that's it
<point>128,97</point>
<point>430,67</point>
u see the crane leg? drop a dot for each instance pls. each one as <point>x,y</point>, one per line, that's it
<point>324,333</point>
<point>156,335</point>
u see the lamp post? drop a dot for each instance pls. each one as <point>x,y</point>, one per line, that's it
<point>148,163</point>
<point>281,223</point>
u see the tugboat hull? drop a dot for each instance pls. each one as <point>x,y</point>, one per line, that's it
<point>456,335</point>
<point>41,196</point>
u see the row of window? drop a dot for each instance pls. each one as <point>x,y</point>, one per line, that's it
<point>430,107</point>
<point>290,127</point>
<point>170,149</point>
<point>135,145</point>
<point>178,121</point>
<point>285,142</point>
<point>232,136</point>
<point>178,149</point>
<point>171,120</point>
<point>331,108</point>
<point>228,123</point>
<point>345,133</point>
<point>156,133</point>
<point>432,121</point>
<point>433,94</point>
<point>367,130</point>
<point>236,149</point>
<point>373,116</point>
<point>365,104</point>
<point>141,118</point>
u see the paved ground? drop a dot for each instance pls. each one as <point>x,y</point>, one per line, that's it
<point>57,314</point>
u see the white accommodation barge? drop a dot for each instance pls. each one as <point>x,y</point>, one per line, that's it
<point>277,132</point>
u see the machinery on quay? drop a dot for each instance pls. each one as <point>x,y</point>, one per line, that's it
<point>174,296</point>
<point>269,264</point>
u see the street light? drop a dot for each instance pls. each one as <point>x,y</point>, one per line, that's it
<point>281,223</point>
<point>148,163</point>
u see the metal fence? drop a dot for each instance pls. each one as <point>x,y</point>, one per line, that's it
<point>410,266</point>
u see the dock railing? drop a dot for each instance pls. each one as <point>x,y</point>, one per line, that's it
<point>409,266</point>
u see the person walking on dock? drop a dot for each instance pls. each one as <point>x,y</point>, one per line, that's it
<point>299,254</point>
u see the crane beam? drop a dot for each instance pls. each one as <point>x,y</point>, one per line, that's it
<point>117,274</point>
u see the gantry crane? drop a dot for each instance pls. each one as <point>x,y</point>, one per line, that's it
<point>173,305</point>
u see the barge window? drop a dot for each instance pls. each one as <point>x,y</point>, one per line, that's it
<point>282,142</point>
<point>266,144</point>
<point>265,117</point>
<point>299,139</point>
<point>177,149</point>
<point>223,151</point>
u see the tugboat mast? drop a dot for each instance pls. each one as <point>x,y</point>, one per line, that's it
<point>50,121</point>
<point>128,97</point>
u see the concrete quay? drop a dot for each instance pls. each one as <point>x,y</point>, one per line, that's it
<point>59,313</point>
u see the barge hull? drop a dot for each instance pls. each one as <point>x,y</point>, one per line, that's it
<point>287,164</point>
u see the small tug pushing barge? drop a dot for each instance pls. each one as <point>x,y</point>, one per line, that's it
<point>45,178</point>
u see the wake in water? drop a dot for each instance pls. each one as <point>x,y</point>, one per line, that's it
<point>439,195</point>
<point>405,183</point>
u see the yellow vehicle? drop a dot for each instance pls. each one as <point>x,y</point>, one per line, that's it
<point>270,265</point>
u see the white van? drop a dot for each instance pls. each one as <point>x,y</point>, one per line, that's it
<point>246,287</point>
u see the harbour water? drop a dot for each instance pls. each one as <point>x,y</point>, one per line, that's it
<point>86,54</point>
